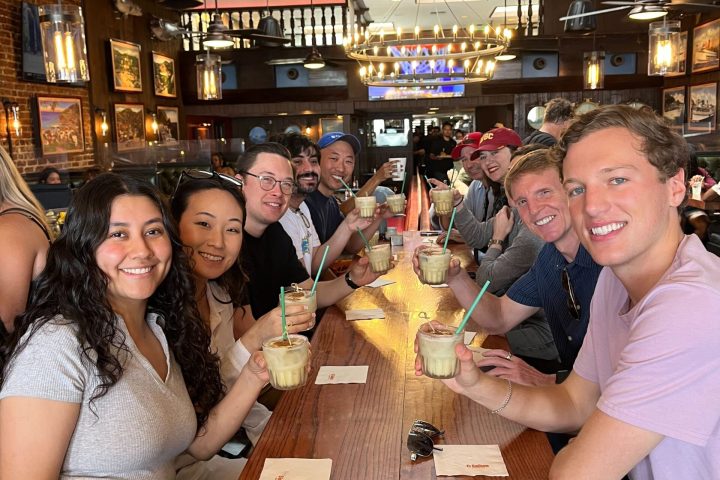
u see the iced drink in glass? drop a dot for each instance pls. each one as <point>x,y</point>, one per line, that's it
<point>366,206</point>
<point>434,265</point>
<point>379,256</point>
<point>443,200</point>
<point>396,203</point>
<point>295,295</point>
<point>287,361</point>
<point>436,347</point>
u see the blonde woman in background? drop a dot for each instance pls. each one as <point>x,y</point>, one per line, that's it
<point>26,238</point>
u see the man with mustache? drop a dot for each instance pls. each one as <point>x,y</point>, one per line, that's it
<point>297,220</point>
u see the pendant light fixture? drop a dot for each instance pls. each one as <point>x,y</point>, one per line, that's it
<point>587,23</point>
<point>647,12</point>
<point>314,60</point>
<point>63,39</point>
<point>663,48</point>
<point>216,36</point>
<point>507,33</point>
<point>209,76</point>
<point>593,70</point>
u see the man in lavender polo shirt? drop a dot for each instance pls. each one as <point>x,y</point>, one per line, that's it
<point>645,388</point>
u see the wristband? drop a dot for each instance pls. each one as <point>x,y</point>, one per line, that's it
<point>458,203</point>
<point>494,241</point>
<point>350,283</point>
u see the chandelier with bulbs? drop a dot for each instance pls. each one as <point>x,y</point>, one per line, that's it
<point>465,55</point>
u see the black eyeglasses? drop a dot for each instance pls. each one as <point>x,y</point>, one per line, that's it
<point>204,175</point>
<point>420,439</point>
<point>267,183</point>
<point>572,303</point>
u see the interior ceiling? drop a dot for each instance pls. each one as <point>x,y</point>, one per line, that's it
<point>405,13</point>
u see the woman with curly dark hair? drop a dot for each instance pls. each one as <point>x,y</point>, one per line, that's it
<point>109,372</point>
<point>210,211</point>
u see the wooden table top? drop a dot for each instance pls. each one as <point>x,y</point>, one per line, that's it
<point>363,427</point>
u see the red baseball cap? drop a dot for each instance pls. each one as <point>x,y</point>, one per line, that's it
<point>470,140</point>
<point>496,139</point>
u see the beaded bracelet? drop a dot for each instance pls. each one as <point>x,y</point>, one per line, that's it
<point>458,203</point>
<point>506,401</point>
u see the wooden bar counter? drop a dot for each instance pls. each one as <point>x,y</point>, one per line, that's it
<point>363,427</point>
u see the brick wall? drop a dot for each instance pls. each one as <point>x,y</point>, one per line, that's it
<point>26,151</point>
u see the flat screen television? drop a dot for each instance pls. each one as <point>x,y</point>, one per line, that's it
<point>52,196</point>
<point>405,93</point>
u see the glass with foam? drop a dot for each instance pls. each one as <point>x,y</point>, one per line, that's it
<point>379,256</point>
<point>295,295</point>
<point>287,361</point>
<point>436,347</point>
<point>443,200</point>
<point>396,203</point>
<point>366,206</point>
<point>434,265</point>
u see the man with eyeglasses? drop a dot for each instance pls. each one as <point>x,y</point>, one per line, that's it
<point>337,161</point>
<point>268,255</point>
<point>645,386</point>
<point>297,220</point>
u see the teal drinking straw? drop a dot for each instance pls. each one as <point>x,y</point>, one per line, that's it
<point>367,244</point>
<point>428,181</point>
<point>472,307</point>
<point>346,186</point>
<point>322,262</point>
<point>447,237</point>
<point>402,189</point>
<point>282,314</point>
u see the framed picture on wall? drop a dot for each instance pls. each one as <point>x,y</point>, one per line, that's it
<point>163,75</point>
<point>168,125</point>
<point>682,55</point>
<point>129,126</point>
<point>60,125</point>
<point>706,47</point>
<point>332,124</point>
<point>702,115</point>
<point>673,107</point>
<point>126,66</point>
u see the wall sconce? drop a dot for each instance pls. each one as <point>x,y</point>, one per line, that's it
<point>663,48</point>
<point>154,124</point>
<point>12,120</point>
<point>103,121</point>
<point>308,130</point>
<point>209,76</point>
<point>593,70</point>
<point>63,40</point>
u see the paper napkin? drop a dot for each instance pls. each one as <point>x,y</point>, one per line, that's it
<point>477,351</point>
<point>442,285</point>
<point>380,282</point>
<point>341,374</point>
<point>470,460</point>
<point>296,469</point>
<point>366,314</point>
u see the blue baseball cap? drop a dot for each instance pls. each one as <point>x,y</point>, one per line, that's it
<point>332,137</point>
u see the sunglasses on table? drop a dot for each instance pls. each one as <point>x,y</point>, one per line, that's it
<point>420,439</point>
<point>186,175</point>
<point>572,303</point>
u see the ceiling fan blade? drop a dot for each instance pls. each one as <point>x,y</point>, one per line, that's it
<point>680,5</point>
<point>597,12</point>
<point>285,61</point>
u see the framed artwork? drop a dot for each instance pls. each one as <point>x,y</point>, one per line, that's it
<point>168,125</point>
<point>126,69</point>
<point>706,47</point>
<point>702,116</point>
<point>129,126</point>
<point>682,55</point>
<point>673,107</point>
<point>61,125</point>
<point>164,75</point>
<point>331,124</point>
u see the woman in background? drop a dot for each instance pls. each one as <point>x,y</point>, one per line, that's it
<point>26,238</point>
<point>109,372</point>
<point>50,176</point>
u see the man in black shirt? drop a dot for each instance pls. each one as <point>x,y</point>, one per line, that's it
<point>558,113</point>
<point>268,255</point>
<point>439,154</point>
